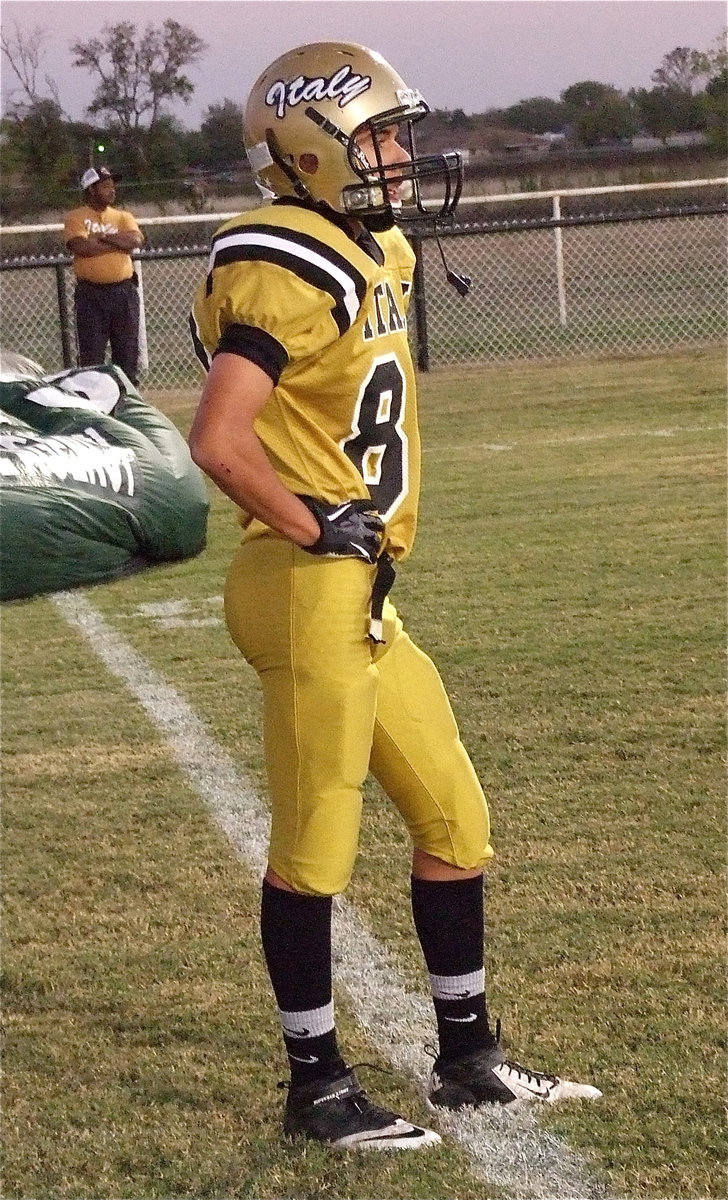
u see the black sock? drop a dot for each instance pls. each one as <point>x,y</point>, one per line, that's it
<point>449,921</point>
<point>296,936</point>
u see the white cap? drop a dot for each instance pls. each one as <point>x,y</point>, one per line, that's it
<point>94,175</point>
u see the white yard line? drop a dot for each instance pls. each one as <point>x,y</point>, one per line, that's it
<point>506,1150</point>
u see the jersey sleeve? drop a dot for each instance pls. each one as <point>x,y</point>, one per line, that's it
<point>274,292</point>
<point>128,223</point>
<point>73,226</point>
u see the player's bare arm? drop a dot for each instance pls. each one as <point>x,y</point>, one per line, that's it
<point>235,393</point>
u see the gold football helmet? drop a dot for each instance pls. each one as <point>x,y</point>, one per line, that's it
<point>302,121</point>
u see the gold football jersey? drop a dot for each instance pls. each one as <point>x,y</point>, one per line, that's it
<point>291,290</point>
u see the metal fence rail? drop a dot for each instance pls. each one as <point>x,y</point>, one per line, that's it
<point>544,288</point>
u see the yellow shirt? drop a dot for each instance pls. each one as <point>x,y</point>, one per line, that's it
<point>341,423</point>
<point>101,268</point>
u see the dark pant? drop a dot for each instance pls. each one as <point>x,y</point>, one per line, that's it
<point>108,312</point>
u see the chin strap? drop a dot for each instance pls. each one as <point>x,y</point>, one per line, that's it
<point>299,188</point>
<point>461,283</point>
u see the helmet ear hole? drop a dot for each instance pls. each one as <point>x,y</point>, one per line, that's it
<point>308,163</point>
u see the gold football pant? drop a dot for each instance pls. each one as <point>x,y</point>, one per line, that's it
<point>336,706</point>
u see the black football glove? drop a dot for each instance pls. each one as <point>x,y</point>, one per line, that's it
<point>352,529</point>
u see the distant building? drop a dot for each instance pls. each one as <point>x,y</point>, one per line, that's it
<point>552,139</point>
<point>680,141</point>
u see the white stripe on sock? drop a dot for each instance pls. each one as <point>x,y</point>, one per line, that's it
<point>458,987</point>
<point>311,1022</point>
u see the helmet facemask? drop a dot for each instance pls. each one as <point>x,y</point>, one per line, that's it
<point>374,204</point>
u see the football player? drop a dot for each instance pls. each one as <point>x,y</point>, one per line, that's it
<point>308,422</point>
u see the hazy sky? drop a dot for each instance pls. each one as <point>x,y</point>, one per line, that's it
<point>469,54</point>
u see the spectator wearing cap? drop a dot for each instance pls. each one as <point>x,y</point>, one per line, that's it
<point>101,239</point>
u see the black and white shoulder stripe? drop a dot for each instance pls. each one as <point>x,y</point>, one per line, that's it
<point>197,342</point>
<point>303,255</point>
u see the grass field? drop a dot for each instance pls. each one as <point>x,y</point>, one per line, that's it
<point>568,579</point>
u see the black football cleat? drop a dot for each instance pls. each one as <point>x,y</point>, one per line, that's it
<point>488,1077</point>
<point>339,1113</point>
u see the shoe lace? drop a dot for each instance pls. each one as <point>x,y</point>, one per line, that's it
<point>512,1065</point>
<point>360,1100</point>
<point>537,1077</point>
<point>532,1076</point>
<point>371,1067</point>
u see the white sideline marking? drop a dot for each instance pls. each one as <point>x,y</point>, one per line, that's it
<point>507,1150</point>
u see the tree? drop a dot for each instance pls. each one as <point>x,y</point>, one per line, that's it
<point>682,69</point>
<point>222,135</point>
<point>138,73</point>
<point>681,100</point>
<point>459,119</point>
<point>598,112</point>
<point>39,145</point>
<point>663,111</point>
<point>24,52</point>
<point>716,111</point>
<point>538,114</point>
<point>454,119</point>
<point>718,85</point>
<point>718,55</point>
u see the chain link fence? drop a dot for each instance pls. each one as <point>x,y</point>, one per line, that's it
<point>546,287</point>
<point>639,285</point>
